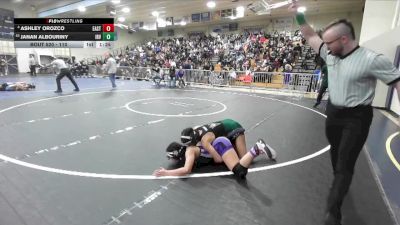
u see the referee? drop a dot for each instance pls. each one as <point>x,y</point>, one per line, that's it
<point>32,65</point>
<point>353,72</point>
<point>64,71</point>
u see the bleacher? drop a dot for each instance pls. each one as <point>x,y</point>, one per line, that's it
<point>258,60</point>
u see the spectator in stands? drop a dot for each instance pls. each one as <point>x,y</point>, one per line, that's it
<point>111,69</point>
<point>180,74</point>
<point>3,66</point>
<point>157,75</point>
<point>288,68</point>
<point>208,66</point>
<point>218,67</point>
<point>172,77</point>
<point>187,65</point>
<point>297,50</point>
<point>84,68</point>
<point>304,65</point>
<point>123,62</point>
<point>308,54</point>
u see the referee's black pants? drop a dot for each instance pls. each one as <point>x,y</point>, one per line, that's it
<point>65,72</point>
<point>347,130</point>
<point>33,70</point>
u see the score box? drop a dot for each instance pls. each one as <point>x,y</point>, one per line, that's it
<point>108,36</point>
<point>108,27</point>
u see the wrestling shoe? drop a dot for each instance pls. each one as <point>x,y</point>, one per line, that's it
<point>263,148</point>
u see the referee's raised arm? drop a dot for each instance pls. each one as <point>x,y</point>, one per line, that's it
<point>308,32</point>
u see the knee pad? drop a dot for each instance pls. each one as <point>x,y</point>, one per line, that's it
<point>240,171</point>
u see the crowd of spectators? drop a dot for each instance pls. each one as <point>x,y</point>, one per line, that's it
<point>258,52</point>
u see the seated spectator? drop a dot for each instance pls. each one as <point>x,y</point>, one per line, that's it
<point>288,68</point>
<point>157,75</point>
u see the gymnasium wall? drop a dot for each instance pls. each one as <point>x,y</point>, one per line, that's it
<point>380,32</point>
<point>317,21</point>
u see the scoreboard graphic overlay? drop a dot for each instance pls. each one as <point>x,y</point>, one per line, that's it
<point>64,32</point>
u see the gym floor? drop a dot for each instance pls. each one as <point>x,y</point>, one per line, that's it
<point>87,158</point>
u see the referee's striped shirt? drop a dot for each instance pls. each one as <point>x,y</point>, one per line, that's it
<point>352,78</point>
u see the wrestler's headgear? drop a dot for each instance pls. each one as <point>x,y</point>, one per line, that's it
<point>188,136</point>
<point>176,151</point>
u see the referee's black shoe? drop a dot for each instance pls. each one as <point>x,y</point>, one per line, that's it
<point>331,219</point>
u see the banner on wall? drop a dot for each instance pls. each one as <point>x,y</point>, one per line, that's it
<point>216,15</point>
<point>166,33</point>
<point>253,29</point>
<point>135,25</point>
<point>205,16</point>
<point>6,24</point>
<point>233,26</point>
<point>195,17</point>
<point>226,13</point>
<point>282,24</point>
<point>221,28</point>
<point>196,34</point>
<point>149,26</point>
<point>169,21</point>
